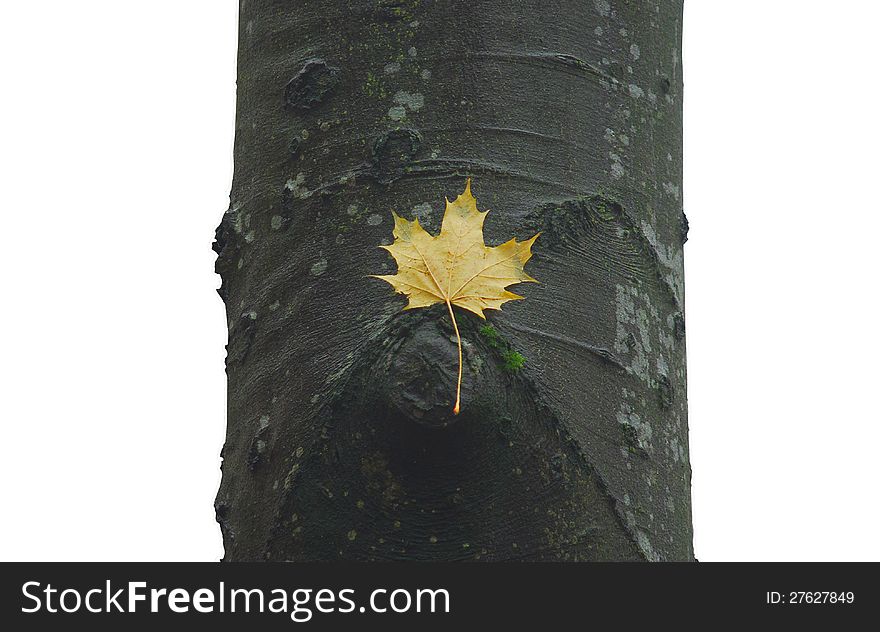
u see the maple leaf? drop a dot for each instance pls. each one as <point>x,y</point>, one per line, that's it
<point>456,267</point>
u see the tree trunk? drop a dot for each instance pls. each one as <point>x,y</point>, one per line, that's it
<point>341,442</point>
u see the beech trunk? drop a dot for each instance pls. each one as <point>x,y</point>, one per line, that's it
<point>572,439</point>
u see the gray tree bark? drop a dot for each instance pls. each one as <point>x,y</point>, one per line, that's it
<point>340,442</point>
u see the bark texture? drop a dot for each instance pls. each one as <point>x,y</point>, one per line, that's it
<point>340,439</point>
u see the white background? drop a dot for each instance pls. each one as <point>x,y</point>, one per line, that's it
<point>116,155</point>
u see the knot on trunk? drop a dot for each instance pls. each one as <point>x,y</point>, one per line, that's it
<point>422,374</point>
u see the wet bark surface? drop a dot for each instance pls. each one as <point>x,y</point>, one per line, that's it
<point>340,439</point>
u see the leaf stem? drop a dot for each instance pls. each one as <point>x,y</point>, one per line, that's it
<point>458,337</point>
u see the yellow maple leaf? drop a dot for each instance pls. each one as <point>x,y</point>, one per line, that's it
<point>456,267</point>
